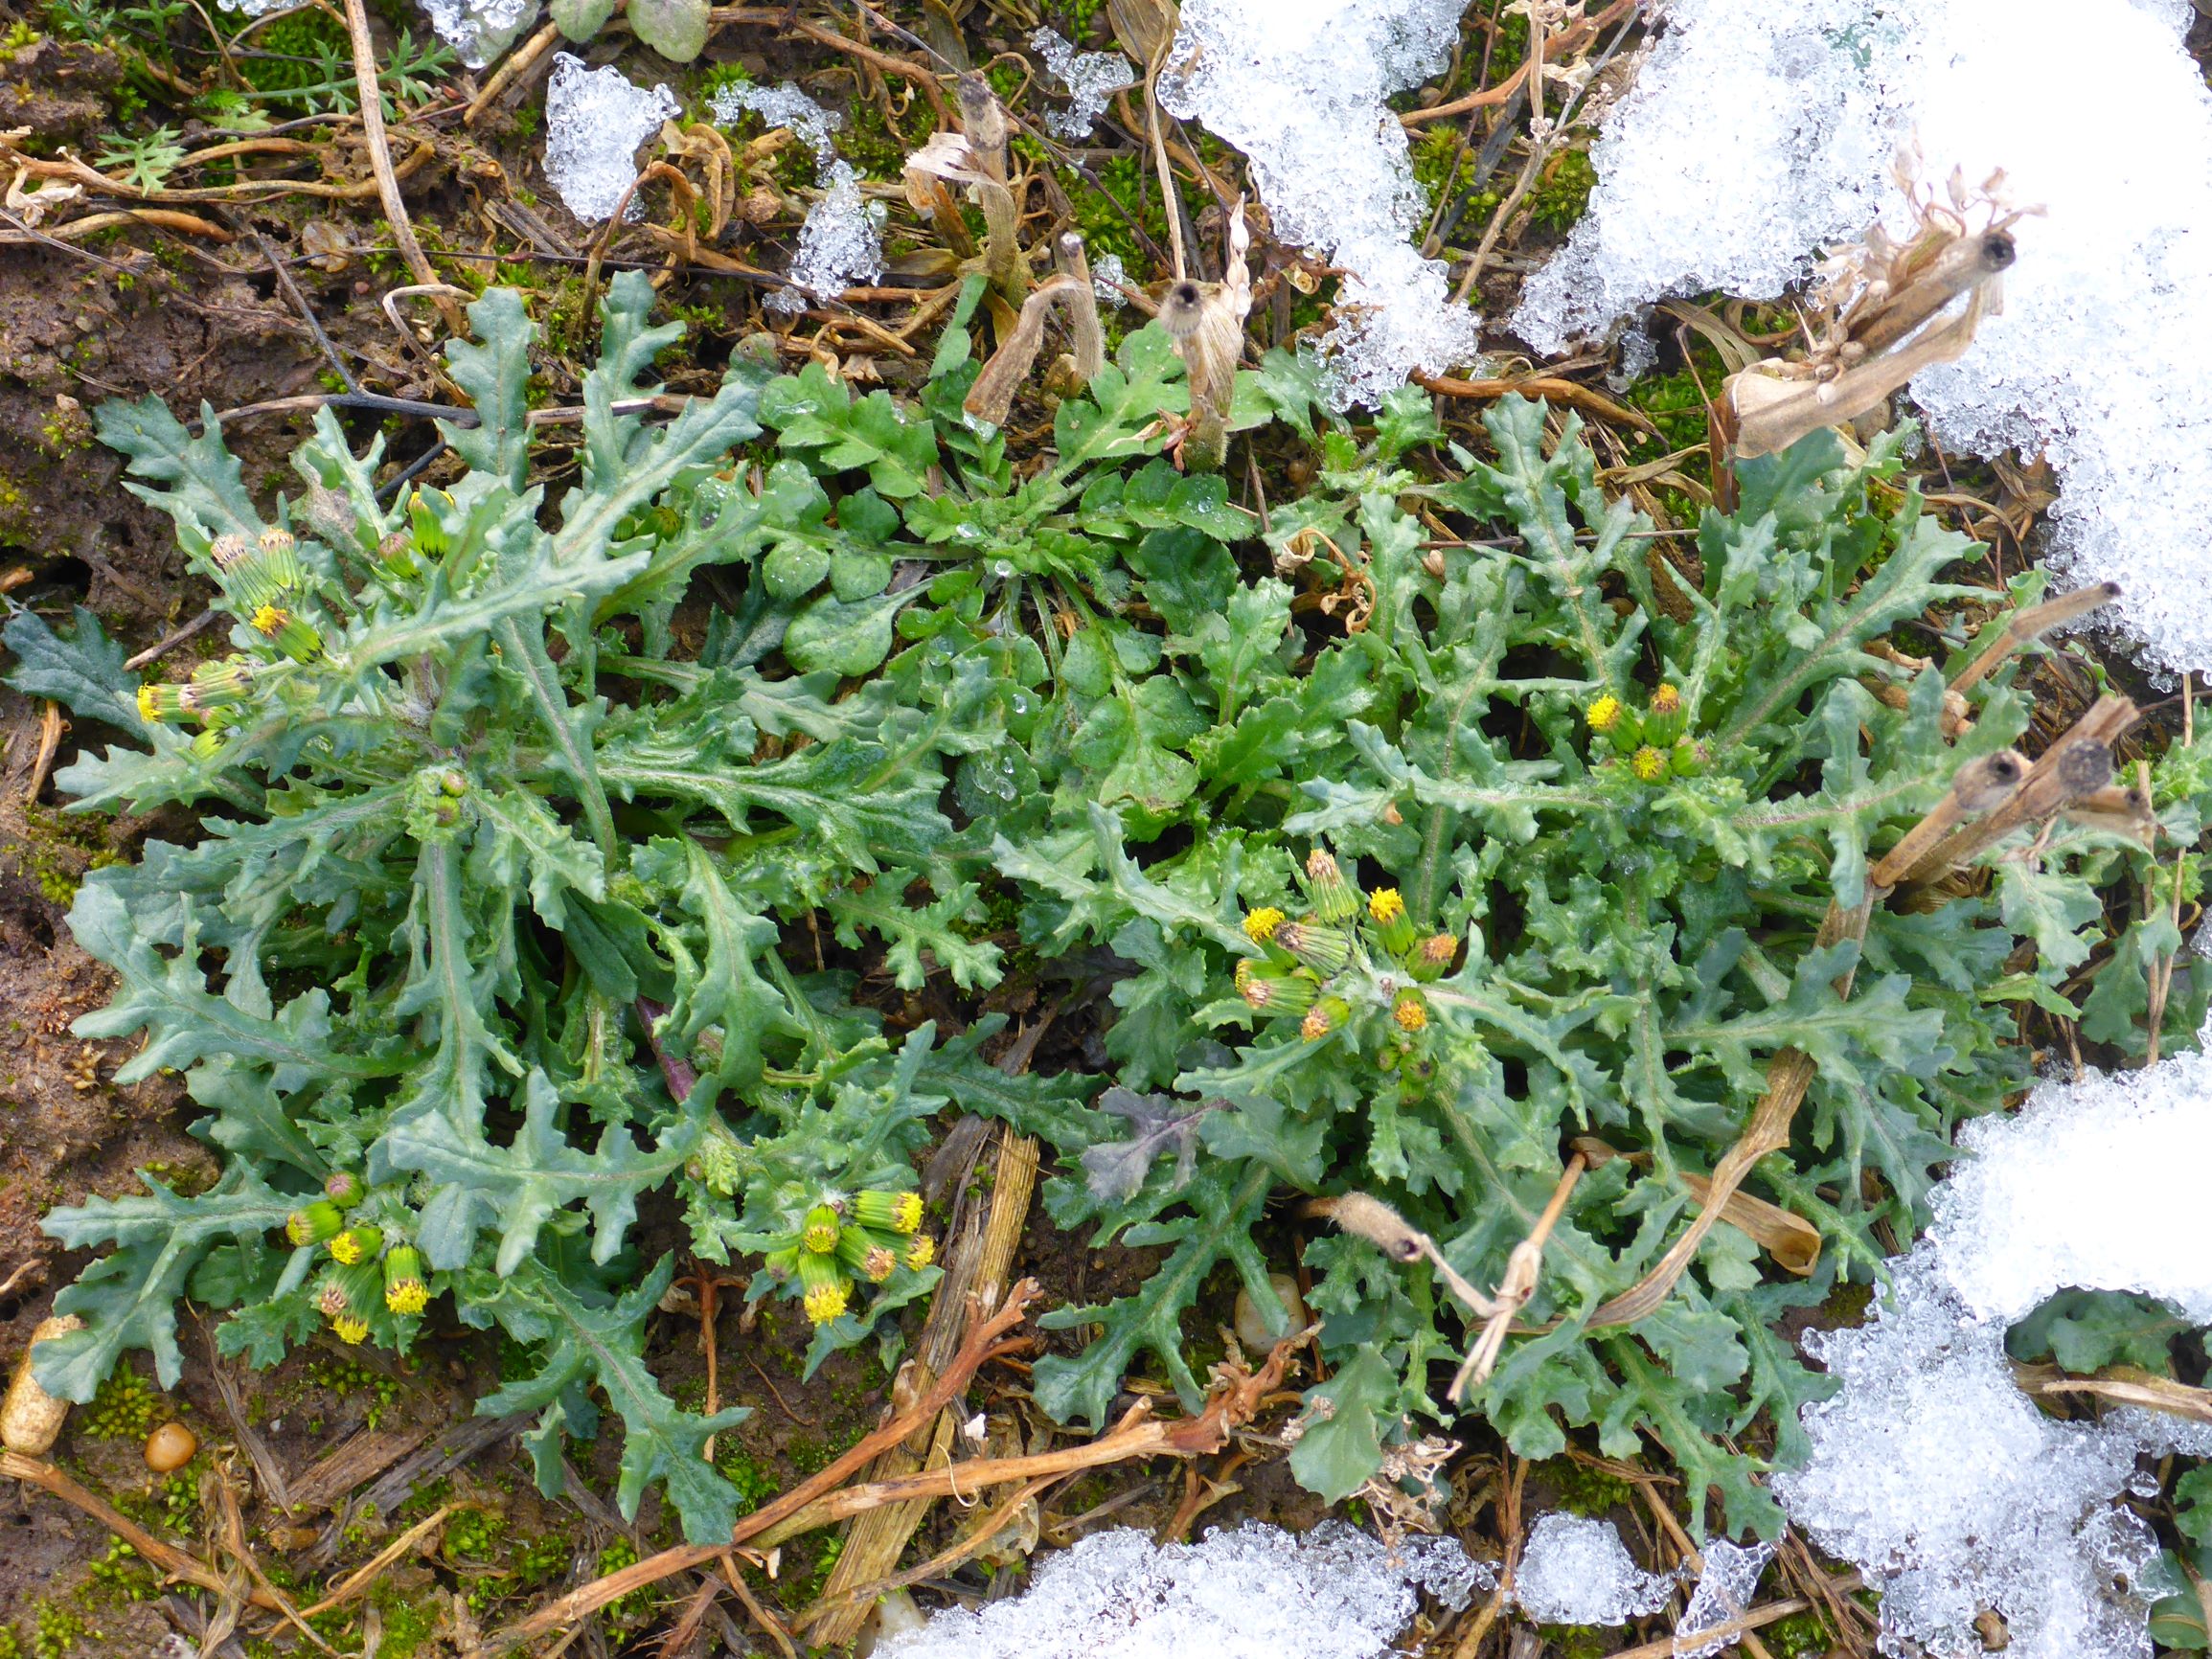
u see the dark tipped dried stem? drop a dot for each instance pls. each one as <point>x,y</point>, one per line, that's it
<point>2025,626</point>
<point>983,120</point>
<point>992,394</point>
<point>1967,261</point>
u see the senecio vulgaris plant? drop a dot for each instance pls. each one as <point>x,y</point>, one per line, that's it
<point>1477,851</point>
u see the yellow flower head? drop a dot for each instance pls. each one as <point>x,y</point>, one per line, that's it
<point>269,621</point>
<point>906,1217</point>
<point>1259,926</point>
<point>349,1330</point>
<point>1439,948</point>
<point>1604,713</point>
<point>821,1230</point>
<point>923,1252</point>
<point>1410,1014</point>
<point>1666,700</point>
<point>826,1302</point>
<point>1315,1026</point>
<point>1386,905</point>
<point>1649,764</point>
<point>407,1297</point>
<point>346,1248</point>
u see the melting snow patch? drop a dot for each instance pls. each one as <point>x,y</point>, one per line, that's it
<point>784,105</point>
<point>478,30</point>
<point>1760,129</point>
<point>1090,77</point>
<point>1298,85</point>
<point>1575,1571</point>
<point>594,122</point>
<point>1108,278</point>
<point>1255,1593</point>
<point>1930,1469</point>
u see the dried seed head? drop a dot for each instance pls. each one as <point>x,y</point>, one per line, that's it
<point>230,550</point>
<point>1989,781</point>
<point>1182,309</point>
<point>1371,1219</point>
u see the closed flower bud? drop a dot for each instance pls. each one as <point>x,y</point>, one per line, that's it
<point>901,1212</point>
<point>404,1291</point>
<point>819,1234</point>
<point>207,745</point>
<point>293,635</point>
<point>922,1252</point>
<point>1324,1017</point>
<point>1434,956</point>
<point>1409,1012</point>
<point>279,549</point>
<point>345,1189</point>
<point>867,1255</point>
<point>1334,899</point>
<point>330,1300</point>
<point>357,1245</point>
<point>1273,991</point>
<point>1260,925</point>
<point>1664,722</point>
<point>163,703</point>
<point>314,1223</point>
<point>1667,700</point>
<point>220,685</point>
<point>395,552</point>
<point>1323,948</point>
<point>1687,759</point>
<point>1387,909</point>
<point>825,1296</point>
<point>230,551</point>
<point>1649,764</point>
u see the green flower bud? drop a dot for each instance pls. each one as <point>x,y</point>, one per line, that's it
<point>220,685</point>
<point>314,1223</point>
<point>1433,957</point>
<point>1649,764</point>
<point>826,1294</point>
<point>345,1189</point>
<point>1273,991</point>
<point>293,635</point>
<point>357,1245</point>
<point>820,1231</point>
<point>1323,948</point>
<point>405,1292</point>
<point>897,1212</point>
<point>163,703</point>
<point>1687,759</point>
<point>1387,909</point>
<point>1663,723</point>
<point>1325,1016</point>
<point>1335,898</point>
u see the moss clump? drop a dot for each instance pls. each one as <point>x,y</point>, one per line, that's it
<point>754,1484</point>
<point>122,1408</point>
<point>1798,1635</point>
<point>1584,1490</point>
<point>58,848</point>
<point>1560,199</point>
<point>408,1623</point>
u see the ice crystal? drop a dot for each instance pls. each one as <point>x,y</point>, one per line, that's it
<point>1091,78</point>
<point>1930,1469</point>
<point>1299,86</point>
<point>840,244</point>
<point>1576,1571</point>
<point>1760,129</point>
<point>1108,278</point>
<point>784,105</point>
<point>594,122</point>
<point>477,30</point>
<point>1723,1593</point>
<point>1254,1593</point>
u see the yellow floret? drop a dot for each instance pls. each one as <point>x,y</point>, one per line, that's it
<point>1649,764</point>
<point>1260,926</point>
<point>1384,904</point>
<point>1604,713</point>
<point>826,1302</point>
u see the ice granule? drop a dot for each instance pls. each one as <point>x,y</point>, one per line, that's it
<point>1108,278</point>
<point>1091,78</point>
<point>1576,1571</point>
<point>784,105</point>
<point>1298,85</point>
<point>480,29</point>
<point>840,244</point>
<point>594,122</point>
<point>1929,1468</point>
<point>1760,129</point>
<point>1724,1594</point>
<point>1254,1593</point>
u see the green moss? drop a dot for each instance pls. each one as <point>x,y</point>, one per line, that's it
<point>58,847</point>
<point>474,1534</point>
<point>1576,1640</point>
<point>57,1632</point>
<point>1560,200</point>
<point>754,1484</point>
<point>635,1607</point>
<point>120,1575</point>
<point>122,1408</point>
<point>345,1378</point>
<point>1584,1490</point>
<point>10,1644</point>
<point>1798,1635</point>
<point>408,1621</point>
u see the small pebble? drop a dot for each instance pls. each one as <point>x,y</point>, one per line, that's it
<point>1252,1319</point>
<point>170,1447</point>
